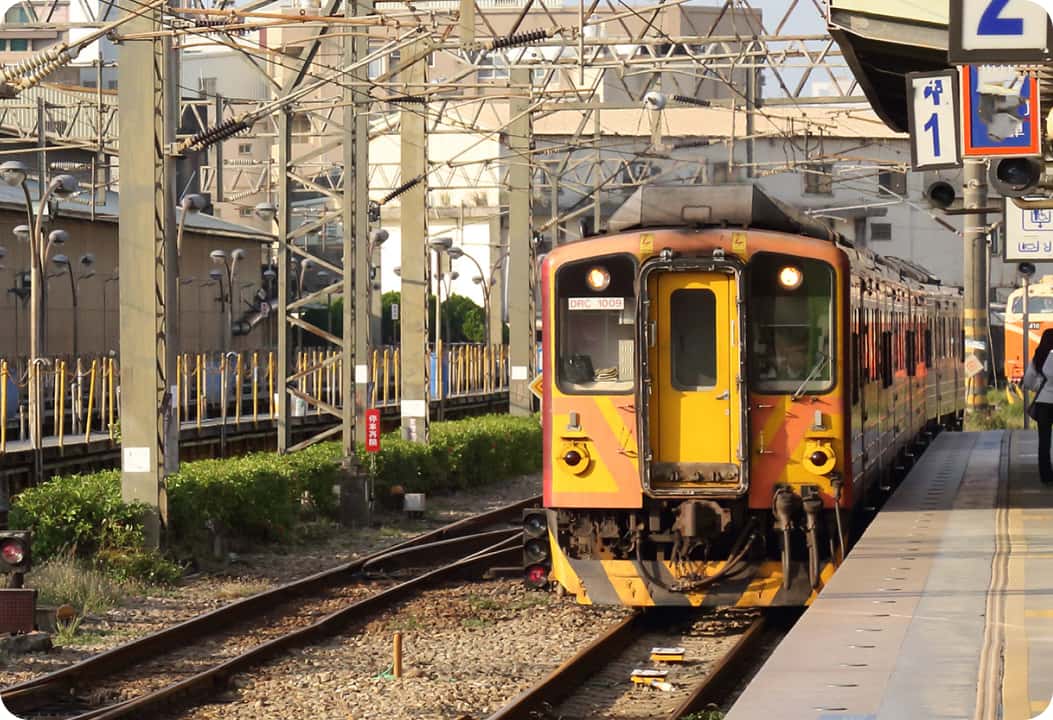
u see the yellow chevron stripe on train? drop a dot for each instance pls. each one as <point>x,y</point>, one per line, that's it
<point>729,388</point>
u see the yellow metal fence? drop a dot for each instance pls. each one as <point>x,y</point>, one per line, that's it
<point>81,397</point>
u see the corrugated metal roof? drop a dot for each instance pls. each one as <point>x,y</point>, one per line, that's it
<point>80,207</point>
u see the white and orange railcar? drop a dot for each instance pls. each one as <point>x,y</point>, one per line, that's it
<point>1040,319</point>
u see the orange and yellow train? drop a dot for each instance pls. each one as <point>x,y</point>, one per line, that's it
<point>727,387</point>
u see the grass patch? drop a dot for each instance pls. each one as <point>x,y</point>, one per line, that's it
<point>531,601</point>
<point>705,715</point>
<point>473,623</point>
<point>1002,413</point>
<point>475,602</point>
<point>237,589</point>
<point>405,623</point>
<point>67,579</point>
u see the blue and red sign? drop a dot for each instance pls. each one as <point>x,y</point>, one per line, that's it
<point>372,430</point>
<point>1000,112</point>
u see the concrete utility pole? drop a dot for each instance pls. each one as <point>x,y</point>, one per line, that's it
<point>522,346</point>
<point>415,259</point>
<point>149,262</point>
<point>498,248</point>
<point>284,351</point>
<point>975,275</point>
<point>356,220</point>
<point>354,372</point>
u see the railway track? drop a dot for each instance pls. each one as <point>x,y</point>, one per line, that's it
<point>195,659</point>
<point>722,649</point>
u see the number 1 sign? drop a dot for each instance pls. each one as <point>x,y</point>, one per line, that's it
<point>932,105</point>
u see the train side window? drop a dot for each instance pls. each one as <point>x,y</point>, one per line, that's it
<point>857,367</point>
<point>912,348</point>
<point>886,359</point>
<point>928,347</point>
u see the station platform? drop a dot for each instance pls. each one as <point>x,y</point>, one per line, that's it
<point>943,609</point>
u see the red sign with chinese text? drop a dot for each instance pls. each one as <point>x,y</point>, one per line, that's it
<point>373,430</point>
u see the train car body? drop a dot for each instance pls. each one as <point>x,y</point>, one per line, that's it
<point>1040,319</point>
<point>725,385</point>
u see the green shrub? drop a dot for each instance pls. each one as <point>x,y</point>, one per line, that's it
<point>261,496</point>
<point>84,512</point>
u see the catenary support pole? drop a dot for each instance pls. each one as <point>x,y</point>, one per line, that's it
<point>415,254</point>
<point>522,350</point>
<point>975,274</point>
<point>148,259</point>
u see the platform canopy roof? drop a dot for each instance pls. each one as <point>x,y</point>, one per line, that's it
<point>883,40</point>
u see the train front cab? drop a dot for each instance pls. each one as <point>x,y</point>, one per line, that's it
<point>738,460</point>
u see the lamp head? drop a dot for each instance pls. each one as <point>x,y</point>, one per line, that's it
<point>215,274</point>
<point>266,211</point>
<point>478,279</point>
<point>378,237</point>
<point>218,256</point>
<point>454,275</point>
<point>441,244</point>
<point>13,172</point>
<point>238,254</point>
<point>269,274</point>
<point>193,202</point>
<point>61,260</point>
<point>58,237</point>
<point>22,232</point>
<point>455,252</point>
<point>397,271</point>
<point>87,260</point>
<point>64,185</point>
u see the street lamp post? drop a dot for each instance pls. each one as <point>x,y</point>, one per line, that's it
<point>485,283</point>
<point>376,238</point>
<point>113,277</point>
<point>87,262</point>
<point>14,173</point>
<point>439,245</point>
<point>230,268</point>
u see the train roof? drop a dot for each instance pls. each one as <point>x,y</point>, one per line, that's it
<point>715,205</point>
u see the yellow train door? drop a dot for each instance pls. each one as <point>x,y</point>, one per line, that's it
<point>696,403</point>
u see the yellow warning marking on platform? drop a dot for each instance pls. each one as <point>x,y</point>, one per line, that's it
<point>1016,701</point>
<point>1035,517</point>
<point>1039,706</point>
<point>1039,613</point>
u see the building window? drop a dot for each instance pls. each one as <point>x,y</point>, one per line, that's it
<point>111,84</point>
<point>493,67</point>
<point>880,232</point>
<point>14,45</point>
<point>245,212</point>
<point>244,148</point>
<point>818,179</point>
<point>18,15</point>
<point>893,181</point>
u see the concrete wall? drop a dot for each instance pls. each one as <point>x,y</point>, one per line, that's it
<point>100,331</point>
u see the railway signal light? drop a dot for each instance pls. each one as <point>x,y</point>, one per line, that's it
<point>15,556</point>
<point>537,559</point>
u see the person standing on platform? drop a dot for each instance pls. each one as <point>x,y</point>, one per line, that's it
<point>1038,372</point>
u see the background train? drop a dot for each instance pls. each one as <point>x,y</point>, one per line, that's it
<point>727,385</point>
<point>1040,318</point>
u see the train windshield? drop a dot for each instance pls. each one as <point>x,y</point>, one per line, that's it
<point>1035,305</point>
<point>791,311</point>
<point>596,317</point>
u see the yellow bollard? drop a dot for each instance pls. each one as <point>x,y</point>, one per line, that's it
<point>255,388</point>
<point>197,403</point>
<point>237,392</point>
<point>396,665</point>
<point>270,385</point>
<point>60,404</point>
<point>3,406</point>
<point>91,402</point>
<point>386,374</point>
<point>397,366</point>
<point>373,375</point>
<point>111,398</point>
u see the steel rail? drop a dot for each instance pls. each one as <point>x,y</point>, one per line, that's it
<point>430,546</point>
<point>715,688</point>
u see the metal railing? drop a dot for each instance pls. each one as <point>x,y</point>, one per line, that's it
<point>81,396</point>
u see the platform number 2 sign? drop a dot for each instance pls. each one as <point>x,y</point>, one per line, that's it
<point>999,31</point>
<point>933,114</point>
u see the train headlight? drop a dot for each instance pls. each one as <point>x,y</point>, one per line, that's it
<point>575,458</point>
<point>599,278</point>
<point>819,458</point>
<point>791,277</point>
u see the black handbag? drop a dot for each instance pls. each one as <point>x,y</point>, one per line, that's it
<point>1032,410</point>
